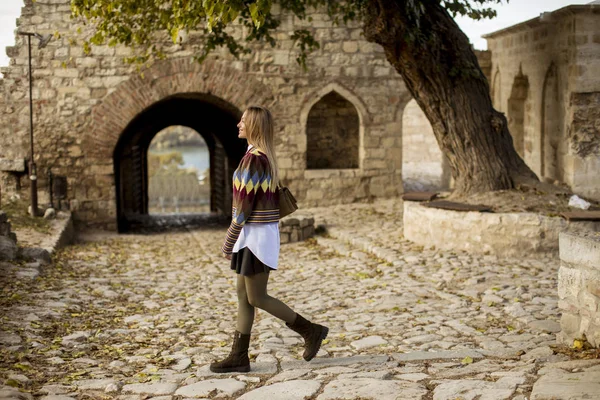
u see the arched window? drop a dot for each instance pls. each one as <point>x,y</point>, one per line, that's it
<point>497,91</point>
<point>516,111</point>
<point>332,132</point>
<point>551,146</point>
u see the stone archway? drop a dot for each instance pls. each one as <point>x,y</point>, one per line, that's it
<point>203,113</point>
<point>332,129</point>
<point>550,142</point>
<point>208,98</point>
<point>516,111</point>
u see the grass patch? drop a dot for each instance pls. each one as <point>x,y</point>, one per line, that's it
<point>19,218</point>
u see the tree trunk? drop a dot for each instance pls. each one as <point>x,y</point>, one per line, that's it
<point>442,73</point>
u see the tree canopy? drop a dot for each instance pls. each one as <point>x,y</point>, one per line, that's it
<point>135,23</point>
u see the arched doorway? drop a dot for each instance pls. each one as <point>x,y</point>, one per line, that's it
<point>551,144</point>
<point>516,111</point>
<point>178,172</point>
<point>214,119</point>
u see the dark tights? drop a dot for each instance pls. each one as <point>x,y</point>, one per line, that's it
<point>252,292</point>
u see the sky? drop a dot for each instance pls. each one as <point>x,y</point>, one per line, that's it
<point>508,14</point>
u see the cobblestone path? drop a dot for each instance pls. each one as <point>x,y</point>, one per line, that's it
<point>142,316</point>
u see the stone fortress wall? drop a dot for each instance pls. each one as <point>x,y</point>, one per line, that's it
<point>84,102</point>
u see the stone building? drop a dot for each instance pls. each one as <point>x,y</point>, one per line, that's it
<point>338,124</point>
<point>546,79</point>
<point>544,75</point>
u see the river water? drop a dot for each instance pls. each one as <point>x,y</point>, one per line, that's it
<point>197,157</point>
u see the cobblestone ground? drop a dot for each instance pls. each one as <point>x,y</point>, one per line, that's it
<point>142,316</point>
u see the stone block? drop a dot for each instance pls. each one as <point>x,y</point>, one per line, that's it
<point>289,390</point>
<point>570,324</point>
<point>306,221</point>
<point>307,232</point>
<point>290,221</point>
<point>570,282</point>
<point>5,229</point>
<point>588,302</point>
<point>36,253</point>
<point>284,238</point>
<point>350,47</point>
<point>66,72</point>
<point>8,249</point>
<point>295,236</point>
<point>581,250</point>
<point>12,165</point>
<point>566,385</point>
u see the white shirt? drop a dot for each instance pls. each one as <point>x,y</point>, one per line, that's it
<point>261,239</point>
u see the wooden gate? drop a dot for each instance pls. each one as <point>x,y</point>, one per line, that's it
<point>132,187</point>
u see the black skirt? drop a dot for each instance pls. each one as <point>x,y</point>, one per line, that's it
<point>246,263</point>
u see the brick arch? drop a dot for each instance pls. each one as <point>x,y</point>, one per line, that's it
<point>111,116</point>
<point>315,97</point>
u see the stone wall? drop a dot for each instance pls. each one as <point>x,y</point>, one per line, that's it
<point>83,103</point>
<point>296,228</point>
<point>559,56</point>
<point>503,234</point>
<point>579,288</point>
<point>8,239</point>
<point>423,165</point>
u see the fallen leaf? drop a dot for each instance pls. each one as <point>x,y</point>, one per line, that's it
<point>467,360</point>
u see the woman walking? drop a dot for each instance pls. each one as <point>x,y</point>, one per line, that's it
<point>252,242</point>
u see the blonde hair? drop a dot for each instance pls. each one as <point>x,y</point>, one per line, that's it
<point>260,132</point>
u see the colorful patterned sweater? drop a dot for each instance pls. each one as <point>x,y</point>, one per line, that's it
<point>255,197</point>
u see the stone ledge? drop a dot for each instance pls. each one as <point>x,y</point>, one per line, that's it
<point>505,234</point>
<point>61,234</point>
<point>9,165</point>
<point>580,249</point>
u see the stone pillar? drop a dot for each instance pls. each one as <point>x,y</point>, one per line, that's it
<point>579,287</point>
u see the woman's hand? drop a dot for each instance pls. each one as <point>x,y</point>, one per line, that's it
<point>227,256</point>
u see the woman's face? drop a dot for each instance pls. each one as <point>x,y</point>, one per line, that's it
<point>242,127</point>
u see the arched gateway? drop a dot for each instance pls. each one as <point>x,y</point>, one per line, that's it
<point>172,93</point>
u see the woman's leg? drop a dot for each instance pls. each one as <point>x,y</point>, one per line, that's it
<point>313,334</point>
<point>245,316</point>
<point>237,360</point>
<point>256,290</point>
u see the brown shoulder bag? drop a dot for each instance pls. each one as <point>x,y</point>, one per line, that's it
<point>287,202</point>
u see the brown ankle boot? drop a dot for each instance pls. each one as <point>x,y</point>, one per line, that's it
<point>238,360</point>
<point>313,335</point>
